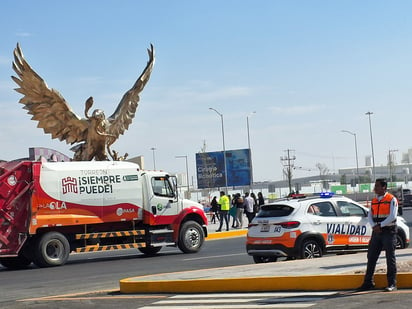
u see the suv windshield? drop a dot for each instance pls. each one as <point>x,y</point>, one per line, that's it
<point>274,211</point>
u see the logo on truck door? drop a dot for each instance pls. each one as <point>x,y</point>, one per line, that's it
<point>69,184</point>
<point>121,211</point>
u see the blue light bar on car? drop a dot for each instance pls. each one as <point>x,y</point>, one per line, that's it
<point>326,194</point>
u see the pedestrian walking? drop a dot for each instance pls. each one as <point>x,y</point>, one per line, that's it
<point>249,202</point>
<point>261,199</point>
<point>240,209</point>
<point>214,209</point>
<point>233,211</point>
<point>382,218</point>
<point>224,203</point>
<point>255,204</point>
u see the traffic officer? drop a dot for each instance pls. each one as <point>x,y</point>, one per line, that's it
<point>382,218</point>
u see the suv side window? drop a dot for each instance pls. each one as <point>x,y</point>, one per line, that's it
<point>314,210</point>
<point>350,209</point>
<point>323,209</point>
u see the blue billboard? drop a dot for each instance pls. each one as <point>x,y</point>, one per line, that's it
<point>210,169</point>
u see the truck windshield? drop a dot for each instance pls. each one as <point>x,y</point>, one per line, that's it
<point>162,187</point>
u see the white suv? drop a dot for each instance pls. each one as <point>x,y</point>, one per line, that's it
<point>311,226</point>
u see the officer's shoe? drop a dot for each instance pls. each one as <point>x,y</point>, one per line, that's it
<point>391,288</point>
<point>366,287</point>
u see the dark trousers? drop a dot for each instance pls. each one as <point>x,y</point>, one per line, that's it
<point>385,240</point>
<point>250,216</point>
<point>224,214</point>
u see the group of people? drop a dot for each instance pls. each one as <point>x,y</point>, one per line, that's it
<point>235,207</point>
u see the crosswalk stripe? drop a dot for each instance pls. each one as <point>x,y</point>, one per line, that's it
<point>241,300</point>
<point>238,306</point>
<point>210,301</point>
<point>260,295</point>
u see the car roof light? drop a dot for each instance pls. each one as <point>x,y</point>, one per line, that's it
<point>326,194</point>
<point>296,195</point>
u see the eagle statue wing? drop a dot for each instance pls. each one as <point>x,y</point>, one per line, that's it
<point>125,111</point>
<point>46,105</point>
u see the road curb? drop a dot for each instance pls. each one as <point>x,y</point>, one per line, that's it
<point>257,284</point>
<point>226,234</point>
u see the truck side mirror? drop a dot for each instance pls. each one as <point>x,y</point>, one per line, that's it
<point>154,210</point>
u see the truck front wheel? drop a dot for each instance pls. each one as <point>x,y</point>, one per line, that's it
<point>191,237</point>
<point>51,249</point>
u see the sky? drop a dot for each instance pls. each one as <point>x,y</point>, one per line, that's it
<point>308,69</point>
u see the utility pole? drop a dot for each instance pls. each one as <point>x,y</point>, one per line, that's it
<point>373,155</point>
<point>224,147</point>
<point>288,165</point>
<point>154,158</point>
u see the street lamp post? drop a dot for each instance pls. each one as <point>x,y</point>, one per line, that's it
<point>356,153</point>
<point>373,155</point>
<point>250,151</point>
<point>187,173</point>
<point>224,148</point>
<point>154,158</point>
<point>391,163</point>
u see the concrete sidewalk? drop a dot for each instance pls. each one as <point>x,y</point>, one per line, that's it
<point>331,272</point>
<point>233,232</point>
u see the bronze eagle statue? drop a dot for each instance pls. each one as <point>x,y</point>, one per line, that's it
<point>93,134</point>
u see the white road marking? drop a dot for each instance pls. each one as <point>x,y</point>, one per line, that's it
<point>213,256</point>
<point>243,306</point>
<point>241,300</point>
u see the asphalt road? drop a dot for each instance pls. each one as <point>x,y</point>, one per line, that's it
<point>92,278</point>
<point>102,270</point>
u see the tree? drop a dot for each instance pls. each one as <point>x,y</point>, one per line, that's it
<point>323,171</point>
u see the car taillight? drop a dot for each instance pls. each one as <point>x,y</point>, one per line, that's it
<point>252,224</point>
<point>290,224</point>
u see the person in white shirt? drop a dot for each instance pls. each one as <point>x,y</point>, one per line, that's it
<point>249,202</point>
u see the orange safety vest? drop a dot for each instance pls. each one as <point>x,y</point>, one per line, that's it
<point>381,209</point>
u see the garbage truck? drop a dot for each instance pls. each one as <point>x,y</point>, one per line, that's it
<point>49,210</point>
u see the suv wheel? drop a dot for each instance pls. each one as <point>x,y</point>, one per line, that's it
<point>310,249</point>
<point>264,259</point>
<point>400,243</point>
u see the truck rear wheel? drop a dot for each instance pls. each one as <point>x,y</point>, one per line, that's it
<point>18,262</point>
<point>191,237</point>
<point>51,249</point>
